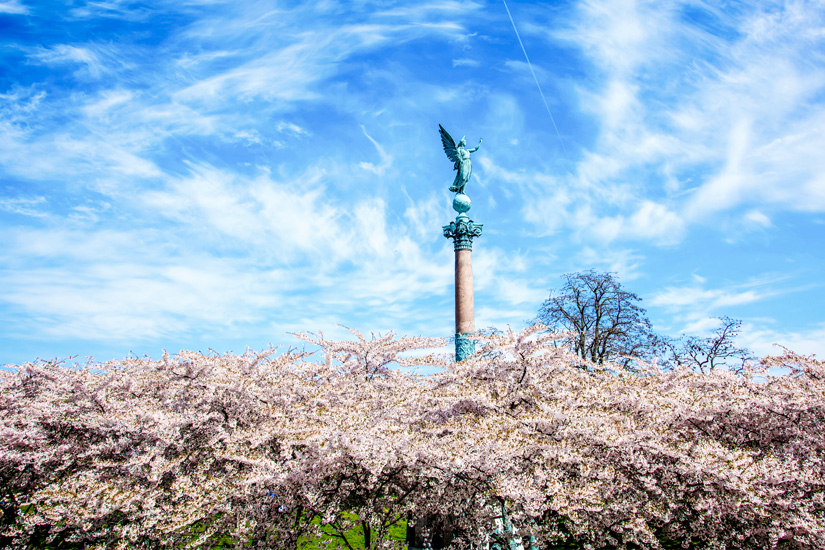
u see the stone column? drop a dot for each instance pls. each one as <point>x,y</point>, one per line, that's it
<point>462,231</point>
<point>464,307</point>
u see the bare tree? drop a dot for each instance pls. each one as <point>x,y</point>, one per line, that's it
<point>605,321</point>
<point>717,350</point>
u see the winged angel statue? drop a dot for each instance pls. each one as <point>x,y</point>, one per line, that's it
<point>460,155</point>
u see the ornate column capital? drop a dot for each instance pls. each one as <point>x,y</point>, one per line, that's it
<point>462,231</point>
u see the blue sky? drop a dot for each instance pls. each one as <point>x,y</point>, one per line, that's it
<point>208,174</point>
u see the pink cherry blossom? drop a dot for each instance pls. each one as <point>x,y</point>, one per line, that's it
<point>277,447</point>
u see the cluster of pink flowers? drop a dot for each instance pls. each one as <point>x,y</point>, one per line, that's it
<point>275,448</point>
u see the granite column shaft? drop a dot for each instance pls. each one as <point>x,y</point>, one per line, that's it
<point>464,302</point>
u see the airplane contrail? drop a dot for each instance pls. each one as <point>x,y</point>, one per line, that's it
<point>561,141</point>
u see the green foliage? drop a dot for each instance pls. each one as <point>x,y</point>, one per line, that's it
<point>329,539</point>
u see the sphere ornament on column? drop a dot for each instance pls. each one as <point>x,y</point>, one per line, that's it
<point>461,203</point>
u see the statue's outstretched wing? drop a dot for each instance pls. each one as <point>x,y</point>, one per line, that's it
<point>449,146</point>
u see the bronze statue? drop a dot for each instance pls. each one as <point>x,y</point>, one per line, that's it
<point>460,155</point>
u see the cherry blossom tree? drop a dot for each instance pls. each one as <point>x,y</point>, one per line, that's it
<point>275,449</point>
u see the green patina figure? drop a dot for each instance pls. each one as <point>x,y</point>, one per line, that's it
<point>460,155</point>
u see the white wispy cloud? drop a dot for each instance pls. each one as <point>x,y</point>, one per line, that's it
<point>26,206</point>
<point>386,160</point>
<point>95,60</point>
<point>627,263</point>
<point>695,309</point>
<point>289,127</point>
<point>106,102</point>
<point>764,340</point>
<point>466,62</point>
<point>287,74</point>
<point>123,10</point>
<point>705,299</point>
<point>15,7</point>
<point>425,11</point>
<point>728,129</point>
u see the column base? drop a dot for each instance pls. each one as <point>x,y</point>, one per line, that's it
<point>465,347</point>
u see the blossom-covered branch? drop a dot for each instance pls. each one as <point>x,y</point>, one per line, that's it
<point>276,449</point>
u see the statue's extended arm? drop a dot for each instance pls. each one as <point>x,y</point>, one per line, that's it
<point>474,149</point>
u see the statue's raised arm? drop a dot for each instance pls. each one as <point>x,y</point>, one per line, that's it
<point>460,155</point>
